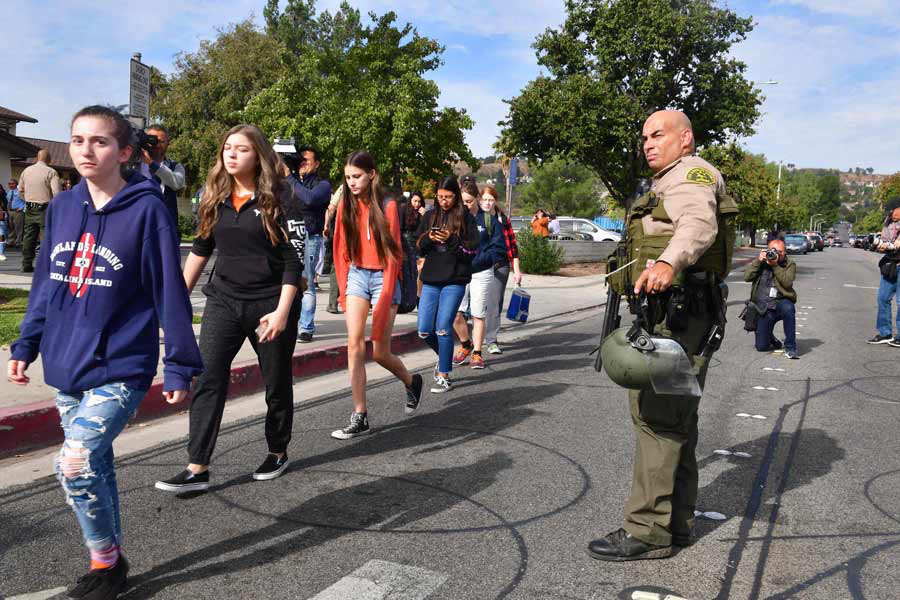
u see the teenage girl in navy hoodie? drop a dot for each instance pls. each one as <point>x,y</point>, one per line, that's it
<point>108,276</point>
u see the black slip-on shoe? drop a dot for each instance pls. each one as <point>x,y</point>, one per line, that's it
<point>271,468</point>
<point>186,481</point>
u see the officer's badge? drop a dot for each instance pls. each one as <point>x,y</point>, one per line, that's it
<point>700,175</point>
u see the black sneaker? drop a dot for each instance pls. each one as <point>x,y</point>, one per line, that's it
<point>185,482</point>
<point>880,339</point>
<point>413,394</point>
<point>359,425</point>
<point>305,337</point>
<point>895,342</point>
<point>101,584</point>
<point>791,354</point>
<point>776,344</point>
<point>271,468</point>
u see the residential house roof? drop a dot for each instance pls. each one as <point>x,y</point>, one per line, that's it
<point>7,113</point>
<point>59,153</point>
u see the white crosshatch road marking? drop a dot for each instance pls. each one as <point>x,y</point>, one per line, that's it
<point>382,580</point>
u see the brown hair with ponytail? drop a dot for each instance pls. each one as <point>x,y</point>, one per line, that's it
<point>385,244</point>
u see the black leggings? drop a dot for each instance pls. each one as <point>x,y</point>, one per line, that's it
<point>226,324</point>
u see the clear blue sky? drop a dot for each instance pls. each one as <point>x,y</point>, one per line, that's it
<point>836,63</point>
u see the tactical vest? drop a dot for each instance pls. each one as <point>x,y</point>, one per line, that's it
<point>642,247</point>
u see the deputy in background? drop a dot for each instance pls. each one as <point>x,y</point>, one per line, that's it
<point>37,184</point>
<point>682,254</point>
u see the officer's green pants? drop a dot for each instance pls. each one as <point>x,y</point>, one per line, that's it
<point>664,484</point>
<point>34,227</point>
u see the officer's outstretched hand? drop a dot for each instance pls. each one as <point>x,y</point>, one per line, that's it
<point>655,279</point>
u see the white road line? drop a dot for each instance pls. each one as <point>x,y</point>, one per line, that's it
<point>773,369</point>
<point>39,595</point>
<point>861,287</point>
<point>378,579</point>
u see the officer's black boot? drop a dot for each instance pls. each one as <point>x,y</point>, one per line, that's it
<point>620,546</point>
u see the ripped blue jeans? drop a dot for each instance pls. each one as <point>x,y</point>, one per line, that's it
<point>437,309</point>
<point>91,421</point>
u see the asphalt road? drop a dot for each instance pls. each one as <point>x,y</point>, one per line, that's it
<point>493,490</point>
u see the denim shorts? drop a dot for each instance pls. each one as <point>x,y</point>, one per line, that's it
<point>367,283</point>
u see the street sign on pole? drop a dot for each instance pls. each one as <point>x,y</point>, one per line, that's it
<point>139,90</point>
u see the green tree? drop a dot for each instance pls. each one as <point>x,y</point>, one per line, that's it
<point>611,64</point>
<point>562,187</point>
<point>888,189</point>
<point>207,92</point>
<point>352,86</point>
<point>752,185</point>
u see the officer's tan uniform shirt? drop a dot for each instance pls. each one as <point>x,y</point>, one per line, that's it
<point>688,187</point>
<point>39,183</point>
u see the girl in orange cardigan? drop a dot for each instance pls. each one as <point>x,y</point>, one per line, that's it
<point>367,256</point>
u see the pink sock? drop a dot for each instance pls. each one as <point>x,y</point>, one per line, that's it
<point>104,559</point>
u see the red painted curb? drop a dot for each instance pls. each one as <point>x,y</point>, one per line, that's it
<point>37,424</point>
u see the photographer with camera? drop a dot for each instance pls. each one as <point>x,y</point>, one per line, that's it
<point>164,171</point>
<point>773,297</point>
<point>887,289</point>
<point>313,193</point>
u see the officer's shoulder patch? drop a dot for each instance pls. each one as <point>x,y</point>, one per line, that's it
<point>701,176</point>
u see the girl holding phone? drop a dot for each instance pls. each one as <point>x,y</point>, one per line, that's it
<point>367,256</point>
<point>448,239</point>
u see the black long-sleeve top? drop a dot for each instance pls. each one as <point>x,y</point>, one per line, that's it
<point>450,262</point>
<point>248,266</point>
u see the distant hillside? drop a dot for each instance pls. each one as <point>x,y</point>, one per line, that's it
<point>489,169</point>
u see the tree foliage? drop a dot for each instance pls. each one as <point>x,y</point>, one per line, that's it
<point>329,80</point>
<point>209,89</point>
<point>888,189</point>
<point>562,187</point>
<point>752,185</point>
<point>354,86</point>
<point>613,63</point>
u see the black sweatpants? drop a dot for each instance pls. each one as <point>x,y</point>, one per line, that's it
<point>226,324</point>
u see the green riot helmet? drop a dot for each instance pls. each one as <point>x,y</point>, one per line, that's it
<point>636,360</point>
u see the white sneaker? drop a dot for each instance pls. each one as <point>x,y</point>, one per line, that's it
<point>441,385</point>
<point>2,257</point>
<point>494,348</point>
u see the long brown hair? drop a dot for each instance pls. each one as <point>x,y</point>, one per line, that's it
<point>269,183</point>
<point>385,244</point>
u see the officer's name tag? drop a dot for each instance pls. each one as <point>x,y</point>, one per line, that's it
<point>773,293</point>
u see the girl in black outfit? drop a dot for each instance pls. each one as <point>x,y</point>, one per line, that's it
<point>251,294</point>
<point>448,239</point>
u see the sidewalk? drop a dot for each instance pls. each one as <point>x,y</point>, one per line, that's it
<point>28,415</point>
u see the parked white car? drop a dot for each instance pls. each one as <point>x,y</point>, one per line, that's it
<point>568,224</point>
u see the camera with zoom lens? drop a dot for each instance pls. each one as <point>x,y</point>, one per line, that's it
<point>286,148</point>
<point>146,141</point>
<point>771,254</point>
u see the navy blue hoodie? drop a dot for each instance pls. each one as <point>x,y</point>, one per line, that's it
<point>491,246</point>
<point>104,282</point>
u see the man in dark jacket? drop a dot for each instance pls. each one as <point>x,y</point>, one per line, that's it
<point>774,297</point>
<point>313,192</point>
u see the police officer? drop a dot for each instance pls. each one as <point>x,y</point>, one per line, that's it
<point>673,232</point>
